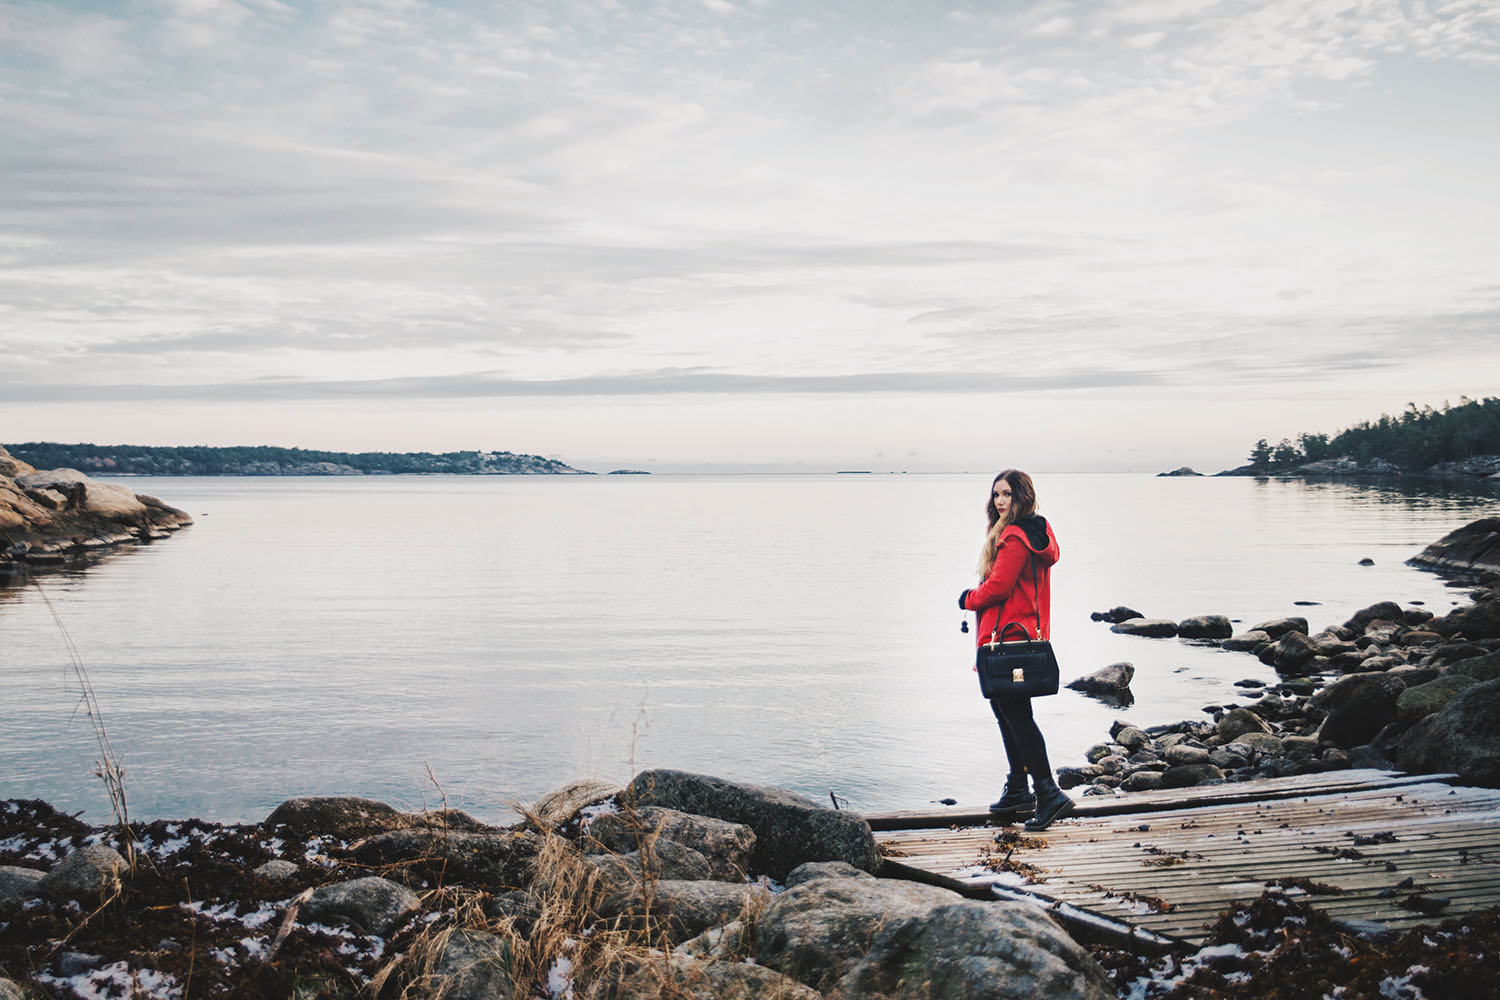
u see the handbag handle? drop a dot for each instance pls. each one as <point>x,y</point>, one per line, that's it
<point>997,634</point>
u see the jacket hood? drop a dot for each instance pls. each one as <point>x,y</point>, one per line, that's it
<point>1038,536</point>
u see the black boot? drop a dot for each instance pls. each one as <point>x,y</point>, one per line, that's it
<point>1052,803</point>
<point>1016,798</point>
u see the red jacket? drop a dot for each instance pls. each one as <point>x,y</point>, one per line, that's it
<point>1008,593</point>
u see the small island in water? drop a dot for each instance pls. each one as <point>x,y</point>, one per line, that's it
<point>263,460</point>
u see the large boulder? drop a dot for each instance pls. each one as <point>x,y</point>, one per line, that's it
<point>1477,621</point>
<point>473,965</point>
<point>1462,738</point>
<point>876,937</point>
<point>1357,707</point>
<point>1293,652</point>
<point>1473,548</point>
<point>1245,642</point>
<point>88,875</point>
<point>1205,627</point>
<point>789,828</point>
<point>1421,700</point>
<point>373,904</point>
<point>1277,627</point>
<point>1239,721</point>
<point>104,499</point>
<point>1380,611</point>
<point>346,817</point>
<point>727,846</point>
<point>1481,668</point>
<point>17,884</point>
<point>12,466</point>
<point>497,860</point>
<point>665,859</point>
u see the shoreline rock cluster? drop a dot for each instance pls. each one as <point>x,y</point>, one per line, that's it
<point>1391,687</point>
<point>1474,467</point>
<point>58,519</point>
<point>678,884</point>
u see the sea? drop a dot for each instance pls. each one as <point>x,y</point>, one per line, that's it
<point>476,642</point>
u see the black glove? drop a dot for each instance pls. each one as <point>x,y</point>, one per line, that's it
<point>963,600</point>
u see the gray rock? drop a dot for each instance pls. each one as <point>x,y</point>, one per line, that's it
<point>1301,747</point>
<point>1131,738</point>
<point>1112,764</point>
<point>1246,642</point>
<point>1239,721</point>
<point>1384,610</point>
<point>1481,668</point>
<point>343,816</point>
<point>1478,621</point>
<point>1072,777</point>
<point>665,859</point>
<point>87,875</point>
<point>1421,700</point>
<point>1331,645</point>
<point>1205,627</point>
<point>104,499</point>
<point>11,990</point>
<point>1152,628</point>
<point>727,846</point>
<point>1261,742</point>
<point>1185,775</point>
<point>473,965</point>
<point>1382,632</point>
<point>732,940</point>
<point>277,870</point>
<point>1143,781</point>
<point>1419,637</point>
<point>1118,613</point>
<point>499,859</point>
<point>1099,751</point>
<point>1230,757</point>
<point>1113,679</point>
<point>1463,738</point>
<point>1371,757</point>
<point>373,904</point>
<point>1293,650</point>
<point>1183,753</point>
<point>563,805</point>
<point>1277,627</point>
<point>789,828</point>
<point>974,949</point>
<point>683,909</point>
<point>1474,547</point>
<point>17,884</point>
<point>823,869</point>
<point>686,977</point>
<point>1357,707</point>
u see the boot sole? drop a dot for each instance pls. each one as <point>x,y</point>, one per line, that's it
<point>1066,809</point>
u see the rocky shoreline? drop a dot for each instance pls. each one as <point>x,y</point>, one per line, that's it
<point>63,519</point>
<point>1391,688</point>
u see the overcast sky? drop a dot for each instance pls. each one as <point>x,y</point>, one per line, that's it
<point>746,233</point>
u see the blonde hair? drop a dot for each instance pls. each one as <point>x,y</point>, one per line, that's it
<point>1022,504</point>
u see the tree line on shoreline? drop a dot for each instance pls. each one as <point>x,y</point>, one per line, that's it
<point>264,460</point>
<point>1417,439</point>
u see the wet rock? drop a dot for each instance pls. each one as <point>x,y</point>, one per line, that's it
<point>1478,621</point>
<point>1262,743</point>
<point>1230,757</point>
<point>1183,753</point>
<point>561,806</point>
<point>1111,680</point>
<point>1414,676</point>
<point>789,828</point>
<point>1112,764</point>
<point>1481,668</point>
<point>1379,662</point>
<point>1117,614</point>
<point>1417,616</point>
<point>1109,781</point>
<point>1205,627</point>
<point>684,909</point>
<point>1186,775</point>
<point>1238,722</point>
<point>1143,781</point>
<point>1462,738</point>
<point>1152,628</point>
<point>88,875</point>
<point>1352,660</point>
<point>864,938</point>
<point>1277,627</point>
<point>1099,751</point>
<point>1384,610</point>
<point>499,859</point>
<point>1072,777</point>
<point>1331,645</point>
<point>1246,642</point>
<point>1371,757</point>
<point>1129,737</point>
<point>1421,700</point>
<point>1357,707</point>
<point>1300,747</point>
<point>18,884</point>
<point>373,904</point>
<point>1382,632</point>
<point>726,846</point>
<point>1367,561</point>
<point>1293,650</point>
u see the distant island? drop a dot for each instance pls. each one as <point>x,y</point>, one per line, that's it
<point>262,460</point>
<point>1462,440</point>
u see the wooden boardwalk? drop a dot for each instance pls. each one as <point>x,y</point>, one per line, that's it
<point>1365,846</point>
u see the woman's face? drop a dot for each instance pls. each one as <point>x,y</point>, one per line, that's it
<point>1000,497</point>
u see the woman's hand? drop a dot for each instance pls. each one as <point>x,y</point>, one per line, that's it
<point>963,600</point>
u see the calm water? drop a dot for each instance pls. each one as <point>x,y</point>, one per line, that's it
<point>487,639</point>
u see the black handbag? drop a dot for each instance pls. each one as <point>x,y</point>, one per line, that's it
<point>1017,668</point>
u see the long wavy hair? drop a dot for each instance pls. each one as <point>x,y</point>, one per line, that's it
<point>1022,504</point>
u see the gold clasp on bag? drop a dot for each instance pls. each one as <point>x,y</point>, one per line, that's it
<point>1018,676</point>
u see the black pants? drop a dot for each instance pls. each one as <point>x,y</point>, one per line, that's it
<point>1025,749</point>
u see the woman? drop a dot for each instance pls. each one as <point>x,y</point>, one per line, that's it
<point>1019,550</point>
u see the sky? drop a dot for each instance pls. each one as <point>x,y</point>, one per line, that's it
<point>746,235</point>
